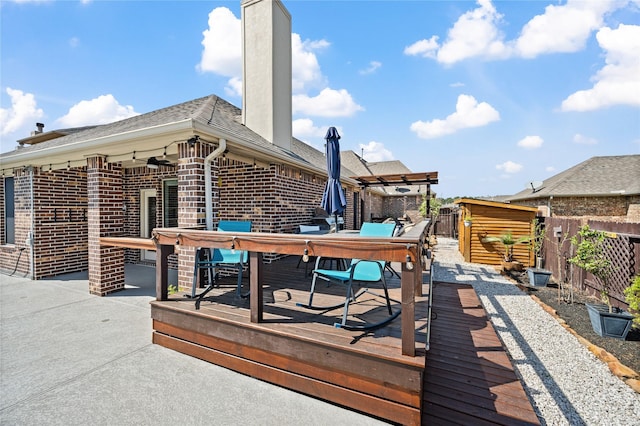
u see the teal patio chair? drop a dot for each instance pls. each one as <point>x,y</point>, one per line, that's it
<point>361,272</point>
<point>213,259</point>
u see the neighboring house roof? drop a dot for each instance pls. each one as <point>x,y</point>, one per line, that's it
<point>210,114</point>
<point>597,176</point>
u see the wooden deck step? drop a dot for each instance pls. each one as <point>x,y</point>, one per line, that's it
<point>469,378</point>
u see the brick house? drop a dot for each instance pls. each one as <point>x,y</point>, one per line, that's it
<point>186,165</point>
<point>599,186</point>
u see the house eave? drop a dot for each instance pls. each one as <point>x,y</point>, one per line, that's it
<point>107,145</point>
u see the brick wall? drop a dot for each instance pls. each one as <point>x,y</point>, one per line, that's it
<point>18,255</point>
<point>374,206</point>
<point>135,180</point>
<point>105,218</point>
<point>60,222</point>
<point>586,206</point>
<point>397,207</point>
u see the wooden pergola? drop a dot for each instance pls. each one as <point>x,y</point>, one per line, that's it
<point>401,179</point>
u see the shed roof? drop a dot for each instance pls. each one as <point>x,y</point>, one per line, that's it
<point>597,176</point>
<point>494,204</point>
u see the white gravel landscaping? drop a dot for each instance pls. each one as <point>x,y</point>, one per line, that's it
<point>566,383</point>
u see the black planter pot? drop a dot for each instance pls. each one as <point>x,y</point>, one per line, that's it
<point>609,324</point>
<point>538,277</point>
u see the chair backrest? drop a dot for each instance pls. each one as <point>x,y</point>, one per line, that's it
<point>234,225</point>
<point>228,255</point>
<point>309,228</point>
<point>372,271</point>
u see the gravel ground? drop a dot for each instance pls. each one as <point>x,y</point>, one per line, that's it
<point>565,382</point>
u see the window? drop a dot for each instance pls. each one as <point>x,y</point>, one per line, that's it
<point>9,211</point>
<point>170,203</point>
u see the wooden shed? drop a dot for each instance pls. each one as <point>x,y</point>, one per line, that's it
<point>493,219</point>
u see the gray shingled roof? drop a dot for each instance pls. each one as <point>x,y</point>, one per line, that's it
<point>212,111</point>
<point>597,176</point>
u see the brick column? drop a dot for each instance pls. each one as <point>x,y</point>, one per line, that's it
<point>105,218</point>
<point>191,201</point>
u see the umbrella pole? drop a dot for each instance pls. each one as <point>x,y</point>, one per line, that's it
<point>336,218</point>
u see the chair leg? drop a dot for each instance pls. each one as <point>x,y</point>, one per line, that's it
<point>311,292</point>
<point>349,296</point>
<point>239,286</point>
<point>386,295</point>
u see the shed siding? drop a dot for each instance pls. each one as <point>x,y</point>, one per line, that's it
<point>493,220</point>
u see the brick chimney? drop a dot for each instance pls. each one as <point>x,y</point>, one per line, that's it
<point>266,70</point>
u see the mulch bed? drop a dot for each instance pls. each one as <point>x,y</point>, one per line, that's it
<point>576,316</point>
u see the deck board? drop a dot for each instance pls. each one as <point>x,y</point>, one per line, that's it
<point>468,377</point>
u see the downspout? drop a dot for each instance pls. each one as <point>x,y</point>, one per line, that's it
<point>208,187</point>
<point>31,235</point>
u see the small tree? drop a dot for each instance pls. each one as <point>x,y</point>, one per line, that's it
<point>632,296</point>
<point>591,256</point>
<point>508,241</point>
<point>537,242</point>
<point>434,207</point>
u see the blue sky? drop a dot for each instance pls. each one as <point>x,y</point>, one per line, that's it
<point>492,95</point>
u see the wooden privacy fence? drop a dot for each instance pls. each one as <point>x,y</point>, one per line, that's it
<point>622,248</point>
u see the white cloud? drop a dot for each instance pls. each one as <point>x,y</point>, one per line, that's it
<point>101,110</point>
<point>584,140</point>
<point>375,151</point>
<point>549,169</point>
<point>425,48</point>
<point>305,68</point>
<point>530,142</point>
<point>563,28</point>
<point>328,103</point>
<point>469,113</point>
<point>222,48</point>
<point>509,167</point>
<point>304,128</point>
<point>74,42</point>
<point>23,111</point>
<point>618,82</point>
<point>476,33</point>
<point>373,66</point>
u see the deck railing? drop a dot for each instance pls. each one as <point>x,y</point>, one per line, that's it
<point>409,249</point>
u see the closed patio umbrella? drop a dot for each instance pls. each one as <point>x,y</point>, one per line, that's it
<point>333,199</point>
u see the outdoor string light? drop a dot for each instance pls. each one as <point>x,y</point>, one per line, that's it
<point>305,256</point>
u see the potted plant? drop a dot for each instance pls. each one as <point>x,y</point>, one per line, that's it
<point>632,296</point>
<point>508,242</point>
<point>538,277</point>
<point>590,255</point>
<point>467,221</point>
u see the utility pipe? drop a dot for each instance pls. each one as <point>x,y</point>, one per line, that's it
<point>208,187</point>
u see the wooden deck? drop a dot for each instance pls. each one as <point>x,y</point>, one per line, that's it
<point>468,377</point>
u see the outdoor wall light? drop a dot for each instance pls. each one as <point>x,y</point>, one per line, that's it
<point>192,142</point>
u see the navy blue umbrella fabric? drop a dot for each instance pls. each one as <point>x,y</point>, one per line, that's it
<point>333,199</point>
